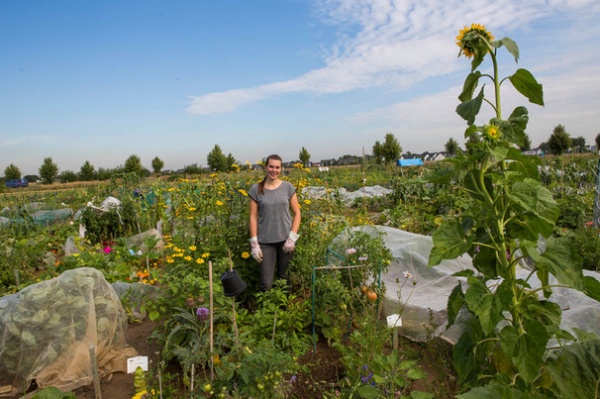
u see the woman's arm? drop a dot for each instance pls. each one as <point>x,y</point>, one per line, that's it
<point>253,218</point>
<point>295,213</point>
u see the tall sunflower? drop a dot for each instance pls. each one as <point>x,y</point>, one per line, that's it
<point>470,41</point>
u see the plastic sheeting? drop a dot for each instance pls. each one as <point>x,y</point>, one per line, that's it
<point>347,197</point>
<point>423,306</point>
<point>47,330</point>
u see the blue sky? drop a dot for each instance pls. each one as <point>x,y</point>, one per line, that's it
<point>103,80</point>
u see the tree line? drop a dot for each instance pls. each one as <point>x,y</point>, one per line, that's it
<point>383,153</point>
<point>560,142</point>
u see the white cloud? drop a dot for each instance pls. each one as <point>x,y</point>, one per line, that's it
<point>391,44</point>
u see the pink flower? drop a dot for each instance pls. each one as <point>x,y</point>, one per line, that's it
<point>350,251</point>
<point>107,249</point>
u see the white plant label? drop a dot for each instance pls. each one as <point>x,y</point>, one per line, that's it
<point>394,320</point>
<point>134,362</point>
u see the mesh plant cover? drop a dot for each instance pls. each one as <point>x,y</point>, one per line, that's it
<point>47,330</point>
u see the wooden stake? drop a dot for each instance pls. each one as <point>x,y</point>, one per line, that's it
<point>235,327</point>
<point>95,377</point>
<point>210,287</point>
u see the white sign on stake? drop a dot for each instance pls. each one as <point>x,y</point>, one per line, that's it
<point>394,320</point>
<point>134,362</point>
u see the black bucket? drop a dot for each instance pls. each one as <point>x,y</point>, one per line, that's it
<point>232,283</point>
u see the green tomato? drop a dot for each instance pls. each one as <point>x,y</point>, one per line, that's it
<point>207,387</point>
<point>260,387</point>
<point>343,307</point>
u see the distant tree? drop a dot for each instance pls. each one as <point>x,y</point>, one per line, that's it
<point>48,171</point>
<point>597,140</point>
<point>67,176</point>
<point>452,147</point>
<point>578,144</point>
<point>560,141</point>
<point>192,169</point>
<point>31,178</point>
<point>133,164</point>
<point>378,152</point>
<point>391,149</point>
<point>304,157</point>
<point>526,143</point>
<point>216,160</point>
<point>472,141</point>
<point>232,165</point>
<point>104,174</point>
<point>157,165</point>
<point>544,147</point>
<point>12,172</point>
<point>87,172</point>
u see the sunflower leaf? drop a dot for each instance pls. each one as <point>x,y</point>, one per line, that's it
<point>526,84</point>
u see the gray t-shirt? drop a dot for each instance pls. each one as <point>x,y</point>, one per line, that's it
<point>274,219</point>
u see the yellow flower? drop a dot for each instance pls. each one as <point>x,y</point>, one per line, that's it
<point>245,255</point>
<point>307,201</point>
<point>492,132</point>
<point>468,44</point>
<point>170,260</point>
<point>192,247</point>
<point>205,255</point>
<point>243,192</point>
<point>200,261</point>
<point>187,258</point>
<point>219,202</point>
<point>139,395</point>
<point>191,208</point>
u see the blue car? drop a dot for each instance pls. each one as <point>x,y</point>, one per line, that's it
<point>14,183</point>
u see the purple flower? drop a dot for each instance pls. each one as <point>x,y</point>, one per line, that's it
<point>366,378</point>
<point>202,313</point>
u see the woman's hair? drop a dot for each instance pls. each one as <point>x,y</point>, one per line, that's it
<point>261,185</point>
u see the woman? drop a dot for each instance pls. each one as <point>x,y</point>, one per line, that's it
<point>273,230</point>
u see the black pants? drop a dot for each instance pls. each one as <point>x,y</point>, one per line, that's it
<point>274,260</point>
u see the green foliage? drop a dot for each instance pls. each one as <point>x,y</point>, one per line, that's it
<point>586,241</point>
<point>133,164</point>
<point>12,172</point>
<point>372,371</point>
<point>67,176</point>
<point>304,157</point>
<point>260,371</point>
<point>108,225</point>
<point>451,146</point>
<point>560,141</point>
<point>87,172</point>
<point>216,160</point>
<point>157,165</point>
<point>281,317</point>
<point>52,393</point>
<point>48,171</point>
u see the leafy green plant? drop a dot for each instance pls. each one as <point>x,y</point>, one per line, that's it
<point>372,369</point>
<point>506,341</point>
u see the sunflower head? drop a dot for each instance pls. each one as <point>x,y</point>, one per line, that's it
<point>492,133</point>
<point>472,40</point>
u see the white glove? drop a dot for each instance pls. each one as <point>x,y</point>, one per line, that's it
<point>255,248</point>
<point>290,243</point>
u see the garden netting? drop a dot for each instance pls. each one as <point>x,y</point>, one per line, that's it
<point>423,306</point>
<point>47,330</point>
<point>347,197</point>
<point>37,212</point>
